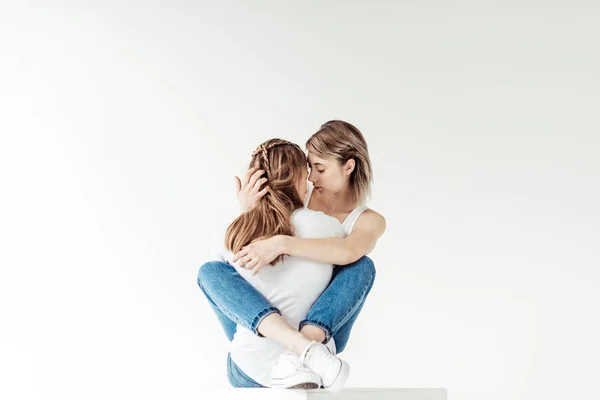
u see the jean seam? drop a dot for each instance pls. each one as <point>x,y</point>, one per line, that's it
<point>223,310</point>
<point>262,315</point>
<point>236,383</point>
<point>233,373</point>
<point>248,382</point>
<point>319,324</point>
<point>239,377</point>
<point>329,330</point>
<point>356,305</point>
<point>255,322</point>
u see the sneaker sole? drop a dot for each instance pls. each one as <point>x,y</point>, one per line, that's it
<point>298,381</point>
<point>341,379</point>
<point>305,386</point>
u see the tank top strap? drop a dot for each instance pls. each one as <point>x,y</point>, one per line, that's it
<point>351,219</point>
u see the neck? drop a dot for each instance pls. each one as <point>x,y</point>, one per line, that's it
<point>339,201</point>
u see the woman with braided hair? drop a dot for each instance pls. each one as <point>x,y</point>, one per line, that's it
<point>288,288</point>
<point>338,230</point>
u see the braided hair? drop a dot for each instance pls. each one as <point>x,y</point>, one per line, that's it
<point>283,163</point>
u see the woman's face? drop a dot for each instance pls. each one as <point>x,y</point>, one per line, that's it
<point>326,174</point>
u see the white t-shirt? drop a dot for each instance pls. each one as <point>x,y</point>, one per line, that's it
<point>292,286</point>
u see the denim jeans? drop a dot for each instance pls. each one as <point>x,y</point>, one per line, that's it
<point>235,301</point>
<point>237,377</point>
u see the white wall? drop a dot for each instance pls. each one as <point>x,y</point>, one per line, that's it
<point>122,125</point>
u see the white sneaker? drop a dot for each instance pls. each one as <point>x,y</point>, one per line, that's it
<point>331,346</point>
<point>332,370</point>
<point>289,373</point>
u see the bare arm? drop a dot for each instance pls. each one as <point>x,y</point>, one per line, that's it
<point>368,229</point>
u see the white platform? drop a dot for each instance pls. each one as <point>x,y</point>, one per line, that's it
<point>346,394</point>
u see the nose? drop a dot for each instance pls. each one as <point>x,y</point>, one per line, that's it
<point>311,176</point>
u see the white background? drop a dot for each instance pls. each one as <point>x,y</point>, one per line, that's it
<point>123,123</point>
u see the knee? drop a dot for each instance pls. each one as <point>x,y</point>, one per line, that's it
<point>207,272</point>
<point>367,266</point>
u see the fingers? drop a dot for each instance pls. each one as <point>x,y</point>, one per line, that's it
<point>255,177</point>
<point>248,261</point>
<point>251,264</point>
<point>256,269</point>
<point>242,253</point>
<point>263,192</point>
<point>244,261</point>
<point>259,183</point>
<point>249,174</point>
<point>238,184</point>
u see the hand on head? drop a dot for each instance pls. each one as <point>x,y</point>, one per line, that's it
<point>249,190</point>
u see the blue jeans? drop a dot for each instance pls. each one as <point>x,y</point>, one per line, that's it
<point>235,301</point>
<point>237,377</point>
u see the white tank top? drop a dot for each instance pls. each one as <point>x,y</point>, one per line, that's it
<point>350,220</point>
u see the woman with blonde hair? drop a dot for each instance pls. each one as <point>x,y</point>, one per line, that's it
<point>340,177</point>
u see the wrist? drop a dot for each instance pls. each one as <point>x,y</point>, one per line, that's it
<point>284,244</point>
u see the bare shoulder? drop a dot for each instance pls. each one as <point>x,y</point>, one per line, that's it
<point>371,221</point>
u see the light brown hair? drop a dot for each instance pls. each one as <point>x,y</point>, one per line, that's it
<point>282,162</point>
<point>342,141</point>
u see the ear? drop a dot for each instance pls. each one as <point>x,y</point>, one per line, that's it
<point>349,166</point>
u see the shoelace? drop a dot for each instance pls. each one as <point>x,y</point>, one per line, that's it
<point>319,358</point>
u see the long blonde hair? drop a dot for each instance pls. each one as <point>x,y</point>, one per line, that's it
<point>342,141</point>
<point>282,162</point>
